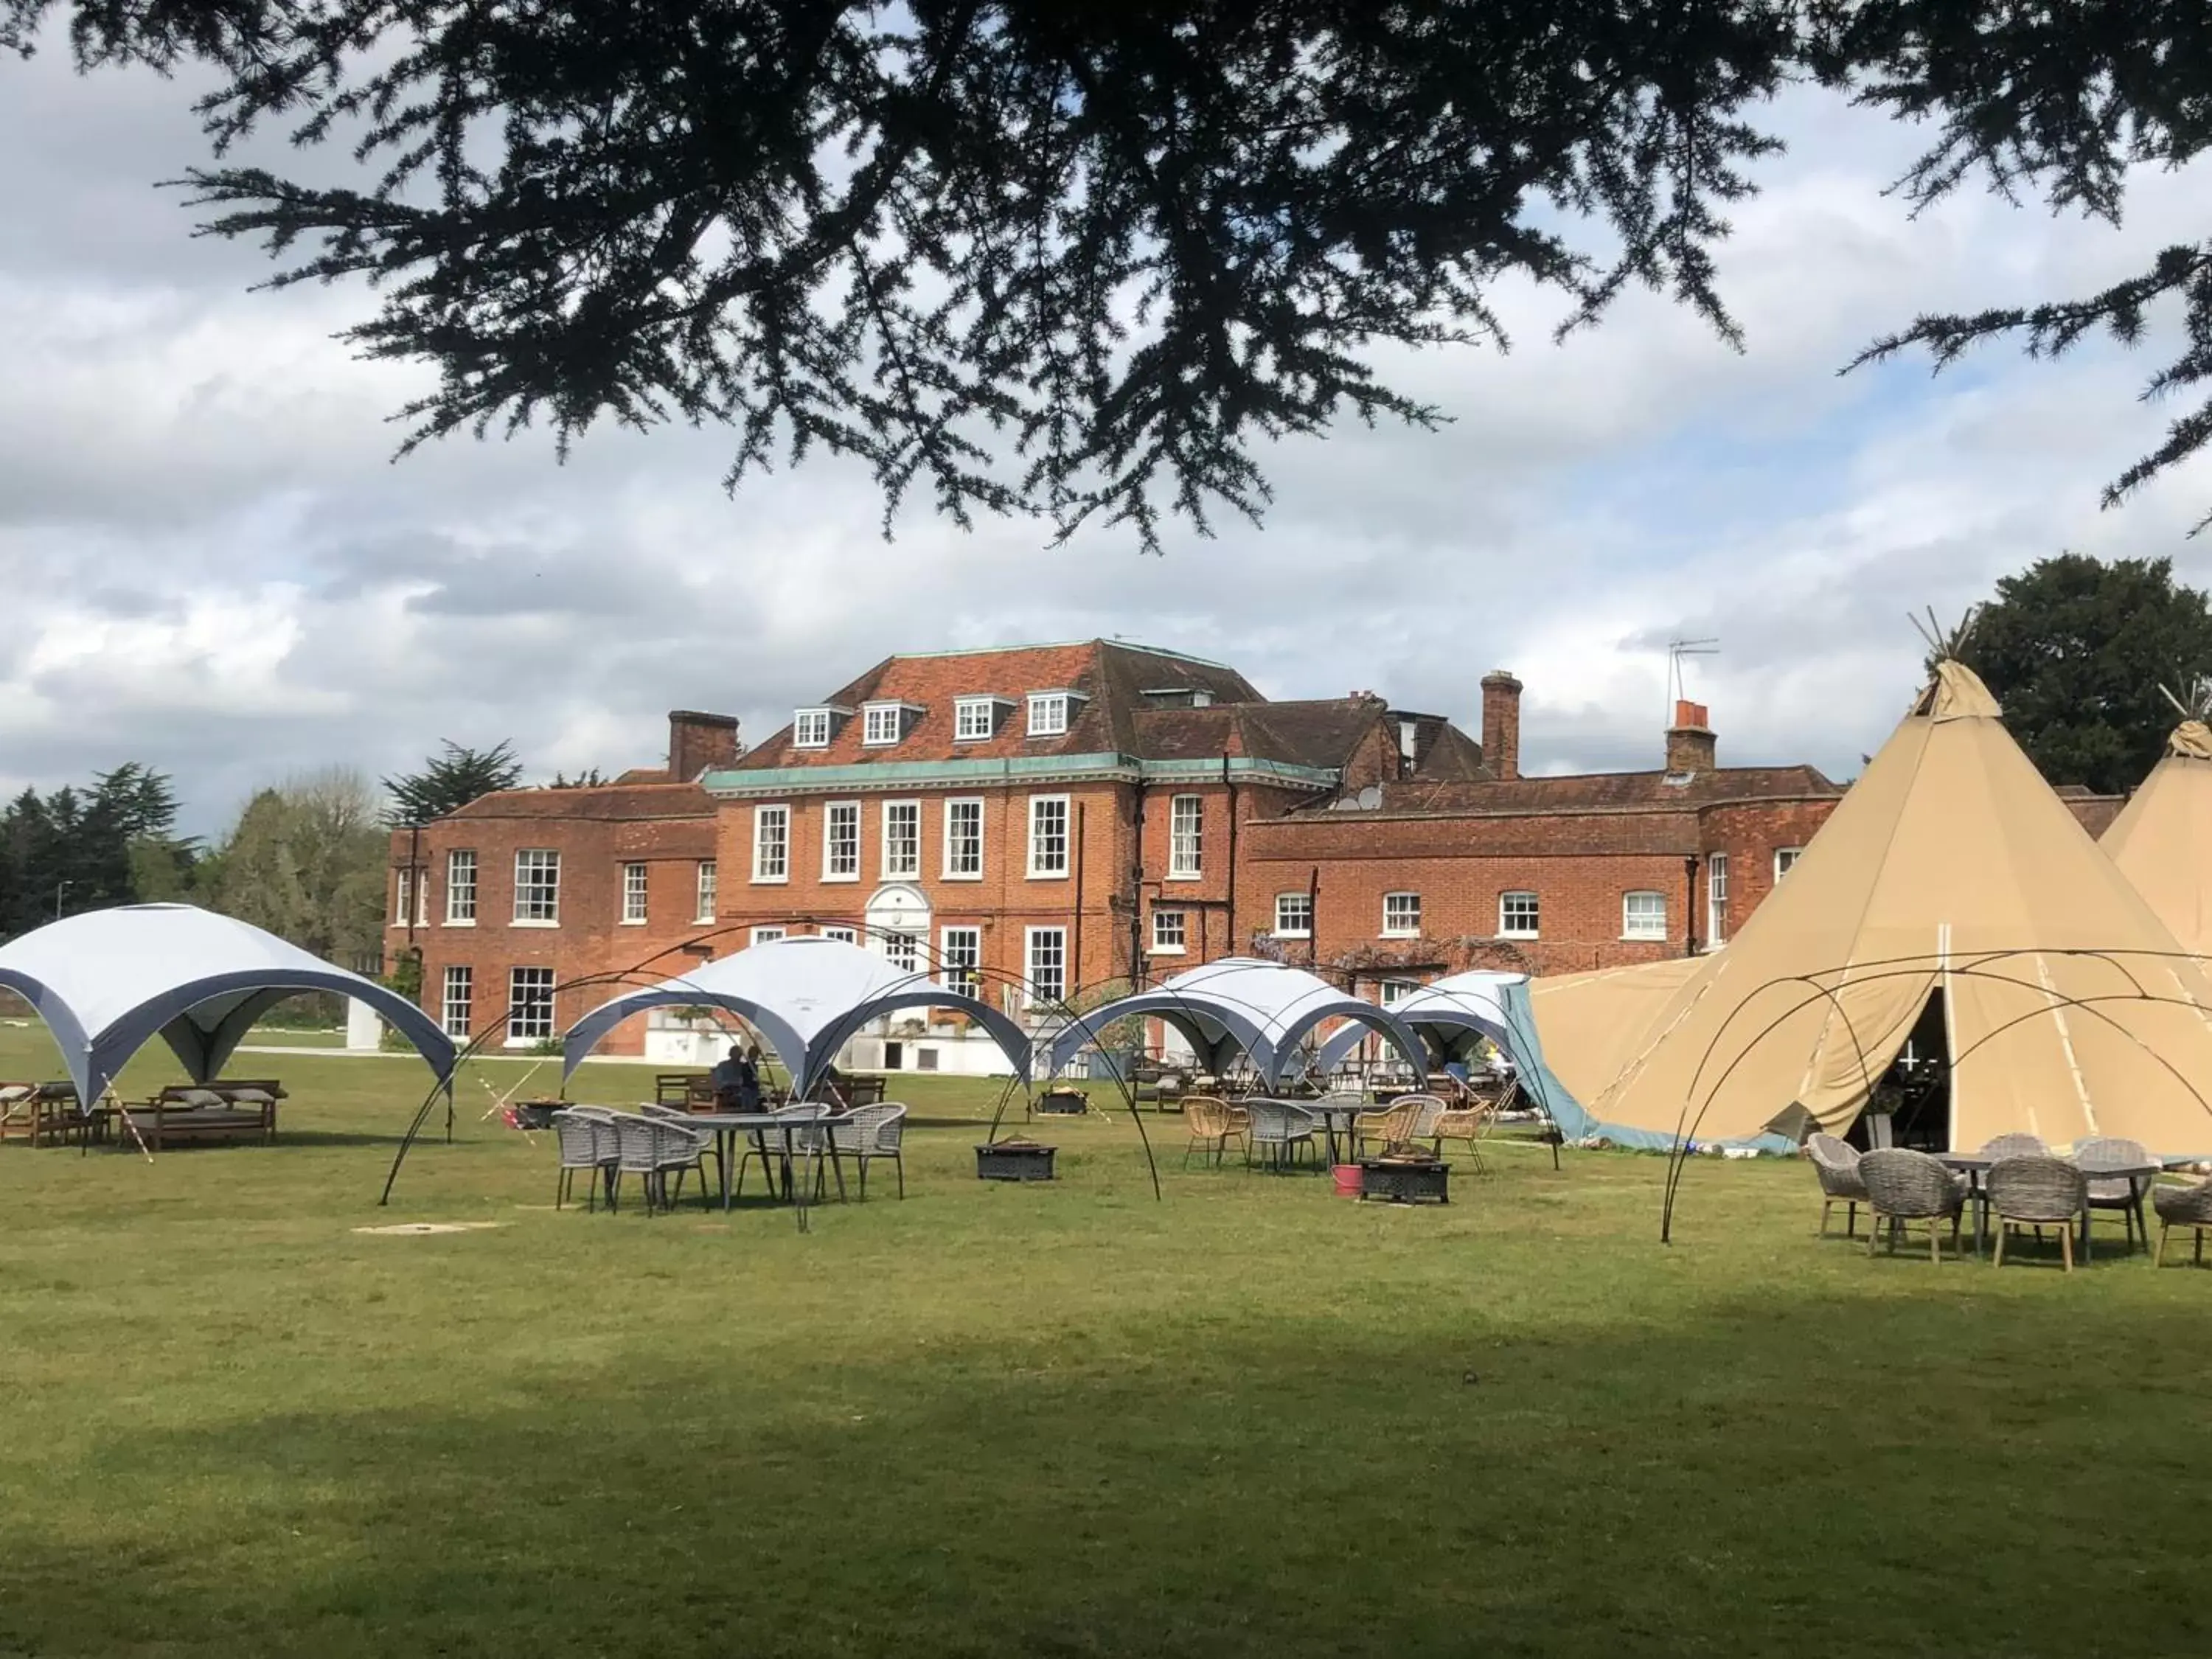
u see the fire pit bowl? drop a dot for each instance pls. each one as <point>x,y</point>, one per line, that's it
<point>1063,1101</point>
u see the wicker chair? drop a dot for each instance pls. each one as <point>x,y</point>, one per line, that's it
<point>2039,1193</point>
<point>587,1142</point>
<point>1212,1124</point>
<point>1904,1187</point>
<point>2182,1207</point>
<point>1277,1129</point>
<point>768,1145</point>
<point>871,1132</point>
<point>2013,1145</point>
<point>2119,1193</point>
<point>1472,1122</point>
<point>1837,1165</point>
<point>1383,1123</point>
<point>708,1146</point>
<point>650,1150</point>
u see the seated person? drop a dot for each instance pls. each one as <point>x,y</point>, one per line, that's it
<point>736,1080</point>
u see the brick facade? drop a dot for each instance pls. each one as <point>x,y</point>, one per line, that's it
<point>1348,801</point>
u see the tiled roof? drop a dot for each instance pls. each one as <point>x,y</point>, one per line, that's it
<point>604,801</point>
<point>1112,678</point>
<point>1598,791</point>
<point>1322,733</point>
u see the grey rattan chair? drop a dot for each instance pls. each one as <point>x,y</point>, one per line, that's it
<point>1837,1163</point>
<point>2182,1207</point>
<point>2120,1192</point>
<point>2038,1193</point>
<point>1904,1187</point>
<point>2013,1145</point>
<point>768,1145</point>
<point>586,1142</point>
<point>650,1150</point>
<point>708,1146</point>
<point>872,1133</point>
<point>1277,1130</point>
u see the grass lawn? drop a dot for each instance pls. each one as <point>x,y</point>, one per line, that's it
<point>1057,1419</point>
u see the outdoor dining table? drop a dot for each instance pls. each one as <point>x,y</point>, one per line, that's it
<point>728,1126</point>
<point>1337,1118</point>
<point>1975,1167</point>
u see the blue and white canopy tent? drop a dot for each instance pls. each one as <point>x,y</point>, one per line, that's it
<point>1450,1015</point>
<point>807,996</point>
<point>107,981</point>
<point>1263,1010</point>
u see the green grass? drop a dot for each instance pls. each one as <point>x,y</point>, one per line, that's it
<point>1054,1419</point>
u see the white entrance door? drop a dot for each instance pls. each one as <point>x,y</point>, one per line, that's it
<point>898,917</point>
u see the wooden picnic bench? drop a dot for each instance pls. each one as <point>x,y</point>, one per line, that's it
<point>190,1114</point>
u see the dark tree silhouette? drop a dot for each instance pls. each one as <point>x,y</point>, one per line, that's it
<point>449,781</point>
<point>1074,257</point>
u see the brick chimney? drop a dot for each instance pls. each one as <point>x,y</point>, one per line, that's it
<point>1689,741</point>
<point>1501,723</point>
<point>698,742</point>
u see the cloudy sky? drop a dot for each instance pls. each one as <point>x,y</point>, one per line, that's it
<point>211,564</point>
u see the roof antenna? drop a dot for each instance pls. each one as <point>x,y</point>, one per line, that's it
<point>1677,651</point>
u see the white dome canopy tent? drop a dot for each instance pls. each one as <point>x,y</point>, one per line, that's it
<point>108,980</point>
<point>1453,1014</point>
<point>1264,1009</point>
<point>807,996</point>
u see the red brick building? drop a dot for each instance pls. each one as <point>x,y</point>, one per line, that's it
<point>1041,823</point>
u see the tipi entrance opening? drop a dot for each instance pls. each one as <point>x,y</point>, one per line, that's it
<point>1911,1105</point>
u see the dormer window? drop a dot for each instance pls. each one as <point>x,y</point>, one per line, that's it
<point>812,728</point>
<point>1050,711</point>
<point>882,724</point>
<point>977,717</point>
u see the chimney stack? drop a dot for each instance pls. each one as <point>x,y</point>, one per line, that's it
<point>1691,744</point>
<point>1501,723</point>
<point>699,742</point>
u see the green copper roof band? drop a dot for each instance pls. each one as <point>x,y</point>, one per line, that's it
<point>882,775</point>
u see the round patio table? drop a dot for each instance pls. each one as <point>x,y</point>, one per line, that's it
<point>728,1126</point>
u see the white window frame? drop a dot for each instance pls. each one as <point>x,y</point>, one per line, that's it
<point>708,880</point>
<point>460,914</point>
<point>1186,845</point>
<point>901,949</point>
<point>636,894</point>
<point>466,1002</point>
<point>1635,920</point>
<point>1781,869</point>
<point>403,896</point>
<point>767,934</point>
<point>1507,927</point>
<point>846,935</point>
<point>1304,901</point>
<point>516,1039</point>
<point>1392,992</point>
<point>1401,929</point>
<point>963,712</point>
<point>830,811</point>
<point>1717,896</point>
<point>965,977</point>
<point>1050,715</point>
<point>1180,945</point>
<point>1029,937</point>
<point>911,870</point>
<point>1041,873</point>
<point>805,722</point>
<point>553,919</point>
<point>951,874</point>
<point>882,724</point>
<point>780,814</point>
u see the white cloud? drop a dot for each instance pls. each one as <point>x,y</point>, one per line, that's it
<point>212,566</point>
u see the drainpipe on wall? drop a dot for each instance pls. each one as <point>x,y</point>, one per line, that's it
<point>1313,916</point>
<point>1140,967</point>
<point>1070,971</point>
<point>1690,903</point>
<point>1228,924</point>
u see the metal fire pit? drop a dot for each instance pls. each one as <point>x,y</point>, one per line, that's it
<point>534,1114</point>
<point>1405,1179</point>
<point>1014,1160</point>
<point>1063,1102</point>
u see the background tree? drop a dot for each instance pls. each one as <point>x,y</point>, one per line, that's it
<point>75,850</point>
<point>2075,650</point>
<point>449,781</point>
<point>1071,258</point>
<point>306,860</point>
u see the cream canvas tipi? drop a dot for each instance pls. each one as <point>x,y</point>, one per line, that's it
<point>1950,868</point>
<point>2162,838</point>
